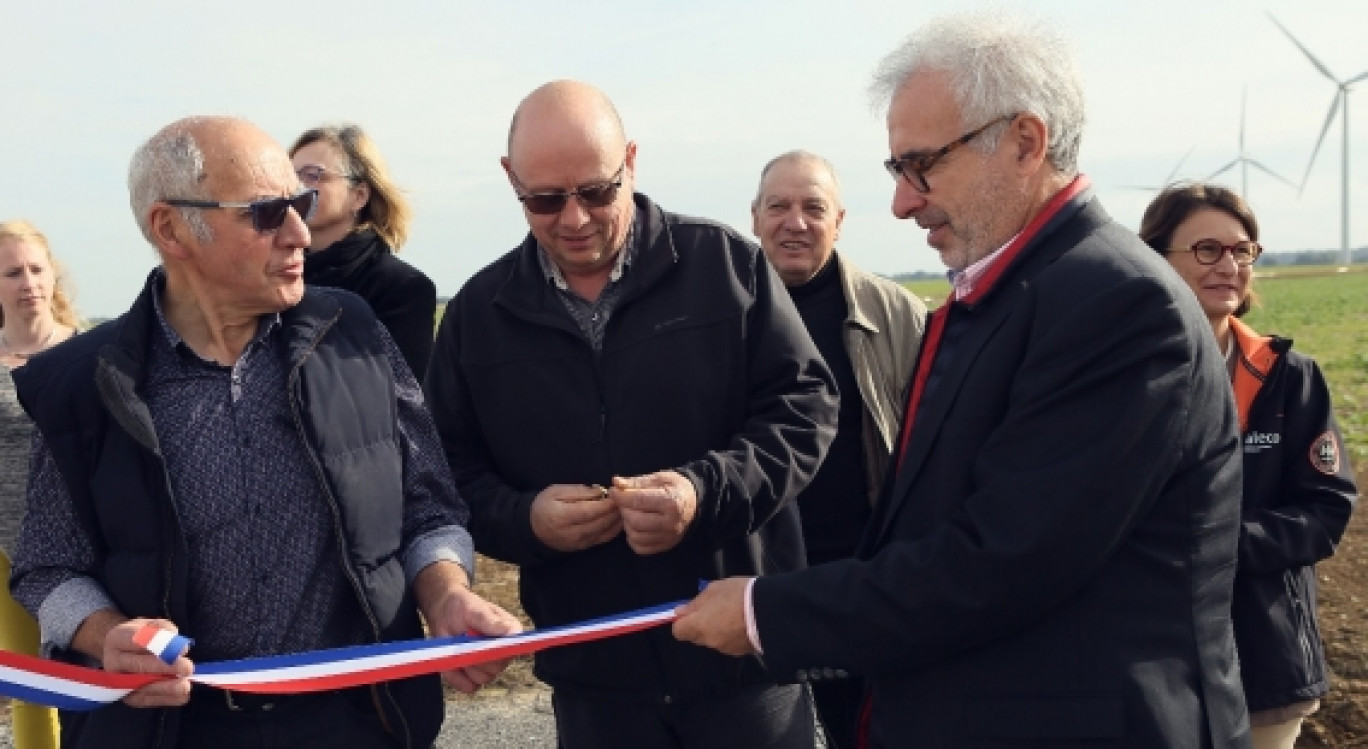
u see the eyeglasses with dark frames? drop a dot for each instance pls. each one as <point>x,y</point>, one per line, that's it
<point>267,215</point>
<point>595,195</point>
<point>914,166</point>
<point>1210,251</point>
<point>312,174</point>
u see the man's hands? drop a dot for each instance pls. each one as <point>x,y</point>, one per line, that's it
<point>450,607</point>
<point>655,510</point>
<point>716,618</point>
<point>107,635</point>
<point>571,517</point>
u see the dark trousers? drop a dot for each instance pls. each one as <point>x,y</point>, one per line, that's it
<point>758,717</point>
<point>327,720</point>
<point>838,703</point>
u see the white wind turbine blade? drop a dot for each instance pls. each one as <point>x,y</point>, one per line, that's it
<point>1329,118</point>
<point>1176,169</point>
<point>1319,65</point>
<point>1222,170</point>
<point>1357,78</point>
<point>1272,174</point>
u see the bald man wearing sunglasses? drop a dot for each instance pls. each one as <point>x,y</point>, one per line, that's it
<point>246,461</point>
<point>630,403</point>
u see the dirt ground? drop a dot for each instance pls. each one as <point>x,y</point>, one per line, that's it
<point>1342,722</point>
<point>1343,718</point>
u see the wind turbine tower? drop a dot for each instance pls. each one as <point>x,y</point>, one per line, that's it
<point>1341,98</point>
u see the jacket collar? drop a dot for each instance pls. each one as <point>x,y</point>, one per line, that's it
<point>1257,355</point>
<point>1059,209</point>
<point>852,287</point>
<point>527,292</point>
<point>343,258</point>
<point>303,324</point>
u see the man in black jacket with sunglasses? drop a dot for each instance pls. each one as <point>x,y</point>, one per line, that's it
<point>630,404</point>
<point>244,460</point>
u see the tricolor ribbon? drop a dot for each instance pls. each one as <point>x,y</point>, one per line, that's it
<point>69,687</point>
<point>162,643</point>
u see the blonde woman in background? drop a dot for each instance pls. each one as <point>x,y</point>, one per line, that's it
<point>35,313</point>
<point>360,223</point>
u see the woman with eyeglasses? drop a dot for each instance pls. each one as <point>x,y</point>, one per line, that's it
<point>360,222</point>
<point>1298,486</point>
<point>35,314</point>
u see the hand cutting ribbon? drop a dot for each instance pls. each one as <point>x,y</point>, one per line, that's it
<point>69,687</point>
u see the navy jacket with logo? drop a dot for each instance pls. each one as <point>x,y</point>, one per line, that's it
<point>1298,494</point>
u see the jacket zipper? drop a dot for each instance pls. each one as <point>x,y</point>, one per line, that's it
<point>169,565</point>
<point>337,520</point>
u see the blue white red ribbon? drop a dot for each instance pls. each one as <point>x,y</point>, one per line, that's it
<point>162,643</point>
<point>69,687</point>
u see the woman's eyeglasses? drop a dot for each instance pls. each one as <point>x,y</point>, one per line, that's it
<point>311,175</point>
<point>1209,251</point>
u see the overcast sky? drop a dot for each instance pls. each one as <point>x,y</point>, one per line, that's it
<point>710,90</point>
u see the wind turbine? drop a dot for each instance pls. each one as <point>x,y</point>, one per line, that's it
<point>1245,162</point>
<point>1341,97</point>
<point>1167,180</point>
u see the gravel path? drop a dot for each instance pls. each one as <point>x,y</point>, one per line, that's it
<point>494,719</point>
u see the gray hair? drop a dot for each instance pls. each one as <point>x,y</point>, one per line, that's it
<point>803,157</point>
<point>169,165</point>
<point>998,65</point>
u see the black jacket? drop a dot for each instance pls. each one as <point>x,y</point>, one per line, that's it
<point>1051,563</point>
<point>402,297</point>
<point>84,396</point>
<point>706,369</point>
<point>1298,495</point>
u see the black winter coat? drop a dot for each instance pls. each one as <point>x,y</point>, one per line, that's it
<point>1298,494</point>
<point>706,369</point>
<point>402,297</point>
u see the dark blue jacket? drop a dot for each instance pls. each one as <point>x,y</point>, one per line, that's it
<point>1298,495</point>
<point>1051,564</point>
<point>85,397</point>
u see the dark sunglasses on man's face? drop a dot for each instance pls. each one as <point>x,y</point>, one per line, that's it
<point>267,215</point>
<point>590,196</point>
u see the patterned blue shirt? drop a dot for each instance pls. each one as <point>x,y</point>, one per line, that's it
<point>266,567</point>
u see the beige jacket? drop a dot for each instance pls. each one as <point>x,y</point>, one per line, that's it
<point>883,333</point>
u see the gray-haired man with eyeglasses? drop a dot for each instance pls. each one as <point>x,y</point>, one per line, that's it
<point>246,461</point>
<point>1051,561</point>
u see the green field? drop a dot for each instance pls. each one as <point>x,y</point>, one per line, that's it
<point>1324,312</point>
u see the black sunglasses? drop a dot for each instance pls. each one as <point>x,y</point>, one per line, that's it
<point>590,196</point>
<point>1209,251</point>
<point>267,215</point>
<point>914,166</point>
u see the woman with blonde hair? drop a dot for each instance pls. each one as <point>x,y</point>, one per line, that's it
<point>361,220</point>
<point>35,314</point>
<point>1298,486</point>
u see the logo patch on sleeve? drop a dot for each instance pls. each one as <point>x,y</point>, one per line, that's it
<point>1325,454</point>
